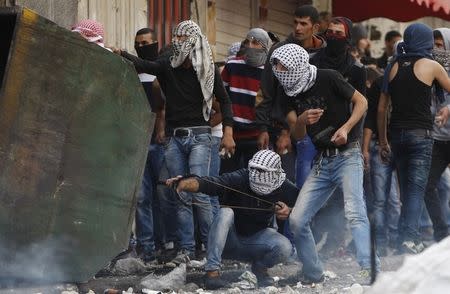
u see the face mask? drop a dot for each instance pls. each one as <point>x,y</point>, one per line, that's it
<point>255,57</point>
<point>148,52</point>
<point>336,46</point>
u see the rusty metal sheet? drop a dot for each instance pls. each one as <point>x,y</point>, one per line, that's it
<point>74,130</point>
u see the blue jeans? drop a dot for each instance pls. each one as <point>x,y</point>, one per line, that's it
<point>412,154</point>
<point>386,205</point>
<point>191,155</point>
<point>305,156</point>
<point>264,249</point>
<point>214,169</point>
<point>147,224</point>
<point>345,170</point>
<point>168,204</point>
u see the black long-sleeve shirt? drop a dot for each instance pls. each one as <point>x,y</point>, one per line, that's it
<point>184,97</point>
<point>247,222</point>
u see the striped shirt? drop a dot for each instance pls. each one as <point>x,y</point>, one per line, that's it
<point>242,82</point>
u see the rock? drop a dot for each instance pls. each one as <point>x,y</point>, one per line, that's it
<point>129,291</point>
<point>191,287</point>
<point>333,291</point>
<point>354,289</point>
<point>69,292</point>
<point>270,290</point>
<point>288,290</point>
<point>234,291</point>
<point>247,281</point>
<point>330,274</point>
<point>174,280</point>
<point>147,291</point>
<point>248,276</point>
<point>129,266</point>
<point>197,263</point>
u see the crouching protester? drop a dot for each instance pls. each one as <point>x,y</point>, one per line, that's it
<point>321,104</point>
<point>243,229</point>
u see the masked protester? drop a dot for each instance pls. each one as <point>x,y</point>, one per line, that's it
<point>336,55</point>
<point>243,228</point>
<point>407,86</point>
<point>318,105</point>
<point>146,45</point>
<point>189,81</point>
<point>241,76</point>
<point>92,31</point>
<point>148,232</point>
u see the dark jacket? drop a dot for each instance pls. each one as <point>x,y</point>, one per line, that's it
<point>247,222</point>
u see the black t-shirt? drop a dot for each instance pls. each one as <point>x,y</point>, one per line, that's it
<point>332,94</point>
<point>184,97</point>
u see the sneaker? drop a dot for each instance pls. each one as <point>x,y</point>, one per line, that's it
<point>305,280</point>
<point>183,256</point>
<point>214,281</point>
<point>263,277</point>
<point>412,247</point>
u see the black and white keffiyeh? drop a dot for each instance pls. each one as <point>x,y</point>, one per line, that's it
<point>300,76</point>
<point>265,172</point>
<point>196,47</point>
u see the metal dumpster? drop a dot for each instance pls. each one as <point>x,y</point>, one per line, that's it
<point>74,130</point>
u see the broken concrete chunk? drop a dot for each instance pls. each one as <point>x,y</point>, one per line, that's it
<point>174,280</point>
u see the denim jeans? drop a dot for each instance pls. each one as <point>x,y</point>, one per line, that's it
<point>168,204</point>
<point>305,156</point>
<point>147,210</point>
<point>412,155</point>
<point>386,205</point>
<point>439,162</point>
<point>345,170</point>
<point>191,155</point>
<point>264,249</point>
<point>214,169</point>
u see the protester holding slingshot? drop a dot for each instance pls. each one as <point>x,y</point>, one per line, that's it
<point>243,229</point>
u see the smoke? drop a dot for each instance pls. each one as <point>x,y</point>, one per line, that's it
<point>41,262</point>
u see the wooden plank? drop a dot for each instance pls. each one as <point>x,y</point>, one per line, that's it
<point>242,8</point>
<point>229,16</point>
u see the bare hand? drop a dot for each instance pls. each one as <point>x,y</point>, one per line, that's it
<point>340,137</point>
<point>263,140</point>
<point>160,137</point>
<point>366,156</point>
<point>116,50</point>
<point>310,116</point>
<point>385,153</point>
<point>174,183</point>
<point>228,144</point>
<point>442,116</point>
<point>284,144</point>
<point>282,211</point>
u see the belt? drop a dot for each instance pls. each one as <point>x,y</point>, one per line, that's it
<point>191,131</point>
<point>417,132</point>
<point>333,151</point>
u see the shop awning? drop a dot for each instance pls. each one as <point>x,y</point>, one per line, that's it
<point>397,10</point>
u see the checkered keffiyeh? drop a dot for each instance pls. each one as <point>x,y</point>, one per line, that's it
<point>265,172</point>
<point>91,30</point>
<point>300,75</point>
<point>196,47</point>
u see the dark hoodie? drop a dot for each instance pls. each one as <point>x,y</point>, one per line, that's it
<point>268,111</point>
